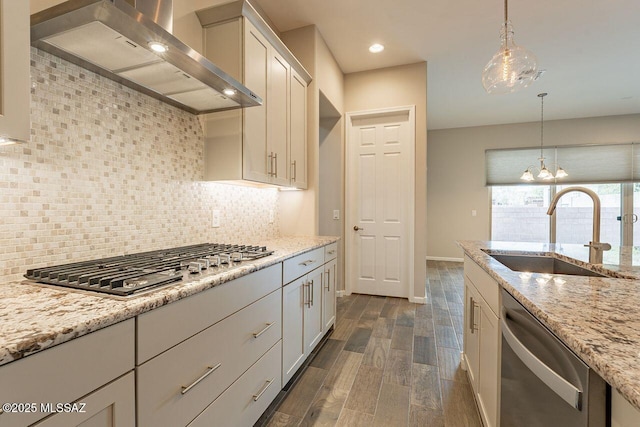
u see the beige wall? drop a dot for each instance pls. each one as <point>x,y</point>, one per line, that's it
<point>392,87</point>
<point>299,209</point>
<point>456,170</point>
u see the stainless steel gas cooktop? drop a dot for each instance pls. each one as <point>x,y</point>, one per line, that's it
<point>129,274</point>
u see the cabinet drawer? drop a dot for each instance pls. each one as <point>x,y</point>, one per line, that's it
<point>244,402</point>
<point>216,356</point>
<point>167,326</point>
<point>330,252</point>
<point>485,284</point>
<point>302,264</point>
<point>68,371</point>
<point>112,405</point>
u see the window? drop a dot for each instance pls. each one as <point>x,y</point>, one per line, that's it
<point>518,209</point>
<point>574,215</point>
<point>519,214</point>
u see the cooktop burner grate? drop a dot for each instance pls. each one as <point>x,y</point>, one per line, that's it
<point>129,274</point>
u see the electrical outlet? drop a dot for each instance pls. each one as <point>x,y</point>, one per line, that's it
<point>474,212</point>
<point>336,214</point>
<point>215,218</point>
<point>272,216</point>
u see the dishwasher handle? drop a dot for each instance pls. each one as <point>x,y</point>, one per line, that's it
<point>563,388</point>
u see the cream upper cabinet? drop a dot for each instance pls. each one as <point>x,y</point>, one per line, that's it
<point>277,120</point>
<point>14,71</point>
<point>298,131</point>
<point>265,144</point>
<point>257,60</point>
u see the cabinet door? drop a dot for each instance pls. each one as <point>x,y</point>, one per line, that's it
<point>489,365</point>
<point>277,124</point>
<point>256,66</point>
<point>329,295</point>
<point>110,406</point>
<point>14,70</point>
<point>298,131</point>
<point>472,331</point>
<point>293,299</point>
<point>313,326</point>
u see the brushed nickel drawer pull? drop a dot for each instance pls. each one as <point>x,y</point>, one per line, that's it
<point>311,294</point>
<point>210,371</point>
<point>261,392</point>
<point>331,252</point>
<point>328,288</point>
<point>307,287</point>
<point>257,334</point>
<point>307,262</point>
<point>295,170</point>
<point>275,156</point>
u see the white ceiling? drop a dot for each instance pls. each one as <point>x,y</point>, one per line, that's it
<point>590,49</point>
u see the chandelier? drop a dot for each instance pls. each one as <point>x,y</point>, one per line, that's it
<point>544,174</point>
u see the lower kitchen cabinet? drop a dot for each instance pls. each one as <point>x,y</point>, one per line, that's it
<point>329,294</point>
<point>110,406</point>
<point>247,398</point>
<point>482,340</point>
<point>302,320</point>
<point>175,386</point>
<point>623,414</point>
<point>313,315</point>
<point>308,305</point>
<point>69,371</point>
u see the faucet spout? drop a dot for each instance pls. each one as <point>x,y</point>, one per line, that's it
<point>596,248</point>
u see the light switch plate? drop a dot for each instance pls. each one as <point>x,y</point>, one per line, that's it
<point>336,214</point>
<point>215,218</point>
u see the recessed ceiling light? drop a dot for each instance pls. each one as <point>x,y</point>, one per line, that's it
<point>229,92</point>
<point>376,48</point>
<point>158,47</point>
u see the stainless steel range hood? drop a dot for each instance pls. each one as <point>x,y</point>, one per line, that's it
<point>113,38</point>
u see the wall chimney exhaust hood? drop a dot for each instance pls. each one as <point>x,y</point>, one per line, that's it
<point>123,39</point>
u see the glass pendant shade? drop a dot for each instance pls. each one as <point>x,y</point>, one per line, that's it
<point>544,173</point>
<point>527,176</point>
<point>561,173</point>
<point>512,68</point>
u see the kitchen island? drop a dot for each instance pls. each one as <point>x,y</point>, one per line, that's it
<point>596,317</point>
<point>91,351</point>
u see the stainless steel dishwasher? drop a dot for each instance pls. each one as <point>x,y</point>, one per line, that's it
<point>543,383</point>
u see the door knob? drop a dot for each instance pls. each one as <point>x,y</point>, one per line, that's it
<point>356,228</point>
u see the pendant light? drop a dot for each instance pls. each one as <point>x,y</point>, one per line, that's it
<point>544,174</point>
<point>513,67</point>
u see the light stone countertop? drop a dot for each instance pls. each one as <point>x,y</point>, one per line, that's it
<point>597,318</point>
<point>34,316</point>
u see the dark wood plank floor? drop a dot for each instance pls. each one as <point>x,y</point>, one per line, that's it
<point>389,363</point>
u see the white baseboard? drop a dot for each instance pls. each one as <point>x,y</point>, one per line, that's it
<point>418,300</point>
<point>444,258</point>
<point>463,361</point>
<point>340,294</point>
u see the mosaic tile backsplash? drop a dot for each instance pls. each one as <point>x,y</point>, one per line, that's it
<point>110,171</point>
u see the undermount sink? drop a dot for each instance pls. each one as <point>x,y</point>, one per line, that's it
<point>543,264</point>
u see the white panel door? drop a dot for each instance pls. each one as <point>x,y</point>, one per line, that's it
<point>380,203</point>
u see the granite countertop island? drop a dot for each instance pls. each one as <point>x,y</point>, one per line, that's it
<point>34,317</point>
<point>597,318</point>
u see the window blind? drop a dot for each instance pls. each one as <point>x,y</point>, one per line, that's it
<point>585,164</point>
